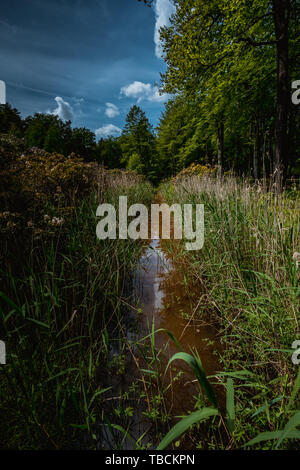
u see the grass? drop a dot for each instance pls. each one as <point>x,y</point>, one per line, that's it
<point>61,306</point>
<point>65,302</point>
<point>249,273</point>
<point>275,439</point>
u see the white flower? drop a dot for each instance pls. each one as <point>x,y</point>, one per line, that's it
<point>56,221</point>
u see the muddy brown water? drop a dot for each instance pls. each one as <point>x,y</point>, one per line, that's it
<point>168,299</point>
<point>165,296</point>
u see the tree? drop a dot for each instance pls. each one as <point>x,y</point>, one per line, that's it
<point>53,140</point>
<point>138,138</point>
<point>281,15</point>
<point>10,120</point>
<point>83,143</point>
<point>37,128</point>
<point>109,152</point>
<point>177,143</point>
<point>134,163</point>
<point>207,40</point>
<point>35,134</point>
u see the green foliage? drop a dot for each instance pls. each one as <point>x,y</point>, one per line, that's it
<point>138,143</point>
<point>249,274</point>
<point>185,424</point>
<point>52,142</point>
<point>109,152</point>
<point>10,120</point>
<point>177,144</point>
<point>222,56</point>
<point>61,289</point>
<point>83,143</point>
<point>134,163</point>
<point>196,365</point>
<point>230,405</point>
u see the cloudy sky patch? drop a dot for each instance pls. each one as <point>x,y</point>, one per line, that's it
<point>163,11</point>
<point>64,110</point>
<point>108,130</point>
<point>111,110</point>
<point>142,91</point>
<point>74,68</point>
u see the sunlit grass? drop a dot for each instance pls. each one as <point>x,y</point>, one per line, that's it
<point>249,271</point>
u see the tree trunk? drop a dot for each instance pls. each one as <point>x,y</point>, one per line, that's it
<point>292,129</point>
<point>220,148</point>
<point>264,158</point>
<point>281,14</point>
<point>256,152</point>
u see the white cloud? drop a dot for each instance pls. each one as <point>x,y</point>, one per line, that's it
<point>78,101</point>
<point>107,130</point>
<point>143,91</point>
<point>64,110</point>
<point>111,110</point>
<point>163,11</point>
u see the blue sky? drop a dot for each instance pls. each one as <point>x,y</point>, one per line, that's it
<point>87,60</point>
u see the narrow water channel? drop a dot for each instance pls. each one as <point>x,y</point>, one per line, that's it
<point>163,293</point>
<point>168,299</point>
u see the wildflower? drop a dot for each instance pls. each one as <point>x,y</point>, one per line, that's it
<point>56,221</point>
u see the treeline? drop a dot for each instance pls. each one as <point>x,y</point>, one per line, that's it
<point>50,133</point>
<point>135,149</point>
<point>230,69</point>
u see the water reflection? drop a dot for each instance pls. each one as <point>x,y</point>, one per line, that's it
<point>165,297</point>
<point>162,293</point>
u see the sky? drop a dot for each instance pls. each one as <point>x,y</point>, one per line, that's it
<point>84,60</point>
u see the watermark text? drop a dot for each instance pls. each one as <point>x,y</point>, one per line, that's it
<point>187,224</point>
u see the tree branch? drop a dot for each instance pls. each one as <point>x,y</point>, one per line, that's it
<point>254,43</point>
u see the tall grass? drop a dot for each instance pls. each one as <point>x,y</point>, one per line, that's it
<point>60,306</point>
<point>248,269</point>
<point>275,439</point>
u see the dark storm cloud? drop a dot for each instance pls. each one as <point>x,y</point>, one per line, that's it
<point>72,57</point>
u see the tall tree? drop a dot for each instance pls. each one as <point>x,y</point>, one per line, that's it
<point>281,16</point>
<point>177,142</point>
<point>206,40</point>
<point>138,142</point>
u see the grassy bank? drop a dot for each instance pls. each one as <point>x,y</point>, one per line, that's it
<point>78,372</point>
<point>248,276</point>
<point>62,294</point>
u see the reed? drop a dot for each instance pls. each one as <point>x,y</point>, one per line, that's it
<point>60,307</point>
<point>249,272</point>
